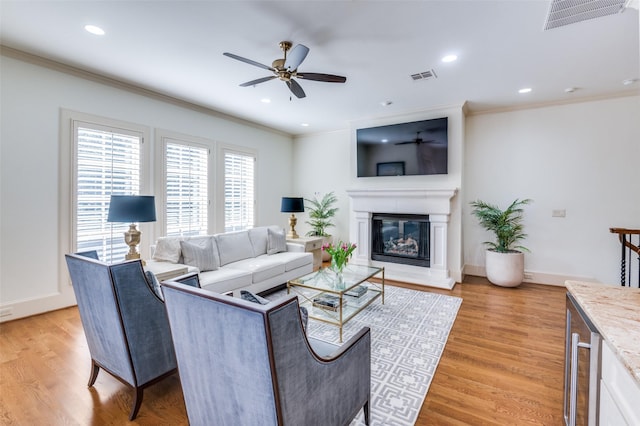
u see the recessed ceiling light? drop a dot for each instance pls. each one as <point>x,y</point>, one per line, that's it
<point>386,103</point>
<point>449,58</point>
<point>384,140</point>
<point>525,90</point>
<point>304,124</point>
<point>265,100</point>
<point>570,90</point>
<point>94,29</point>
<point>629,81</point>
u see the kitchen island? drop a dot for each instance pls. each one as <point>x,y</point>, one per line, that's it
<point>615,312</point>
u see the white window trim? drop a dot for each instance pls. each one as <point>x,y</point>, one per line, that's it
<point>222,149</point>
<point>161,138</point>
<point>67,201</point>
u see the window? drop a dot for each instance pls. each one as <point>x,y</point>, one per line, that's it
<point>239,199</point>
<point>107,161</point>
<point>186,188</point>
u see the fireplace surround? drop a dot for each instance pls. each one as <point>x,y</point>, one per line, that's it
<point>434,203</point>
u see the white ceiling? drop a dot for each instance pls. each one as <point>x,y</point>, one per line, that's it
<point>175,48</point>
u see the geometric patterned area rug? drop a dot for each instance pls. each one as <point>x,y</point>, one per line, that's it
<point>408,335</point>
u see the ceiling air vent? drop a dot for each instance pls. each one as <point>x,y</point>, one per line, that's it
<point>426,75</point>
<point>565,12</point>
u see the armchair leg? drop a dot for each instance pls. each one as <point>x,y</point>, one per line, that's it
<point>366,413</point>
<point>137,401</point>
<point>95,369</point>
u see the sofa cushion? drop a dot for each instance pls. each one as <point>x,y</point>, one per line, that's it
<point>294,260</point>
<point>262,267</point>
<point>167,249</point>
<point>276,241</point>
<point>258,237</point>
<point>234,246</point>
<point>200,253</point>
<point>225,279</point>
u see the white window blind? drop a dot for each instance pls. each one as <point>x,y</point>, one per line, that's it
<point>186,186</point>
<point>107,162</point>
<point>239,186</point>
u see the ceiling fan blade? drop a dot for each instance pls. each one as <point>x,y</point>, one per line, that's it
<point>404,143</point>
<point>257,81</point>
<point>248,61</point>
<point>329,78</point>
<point>296,89</point>
<point>296,56</point>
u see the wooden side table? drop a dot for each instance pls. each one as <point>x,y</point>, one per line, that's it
<point>311,245</point>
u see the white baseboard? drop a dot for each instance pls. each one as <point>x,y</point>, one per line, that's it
<point>536,277</point>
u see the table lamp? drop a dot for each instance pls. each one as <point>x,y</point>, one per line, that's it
<point>132,209</point>
<point>292,205</point>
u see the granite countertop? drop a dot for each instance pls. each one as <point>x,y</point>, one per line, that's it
<point>615,311</point>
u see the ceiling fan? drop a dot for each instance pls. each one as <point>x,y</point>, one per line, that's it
<point>418,140</point>
<point>286,69</point>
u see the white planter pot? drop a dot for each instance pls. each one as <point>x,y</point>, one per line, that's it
<point>505,269</point>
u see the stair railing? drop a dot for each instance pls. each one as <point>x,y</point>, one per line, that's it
<point>630,240</point>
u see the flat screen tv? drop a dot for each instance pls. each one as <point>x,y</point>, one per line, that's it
<point>415,148</point>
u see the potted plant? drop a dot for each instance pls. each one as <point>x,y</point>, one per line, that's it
<point>504,262</point>
<point>321,213</point>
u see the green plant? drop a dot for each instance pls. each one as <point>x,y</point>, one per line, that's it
<point>321,211</point>
<point>340,253</point>
<point>506,225</point>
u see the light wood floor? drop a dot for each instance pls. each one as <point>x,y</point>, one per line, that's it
<point>502,365</point>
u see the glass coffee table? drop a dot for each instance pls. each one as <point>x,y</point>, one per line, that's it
<point>334,301</point>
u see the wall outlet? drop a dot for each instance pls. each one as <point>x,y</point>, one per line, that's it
<point>528,276</point>
<point>558,213</point>
<point>5,312</point>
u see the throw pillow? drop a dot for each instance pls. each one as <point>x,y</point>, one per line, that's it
<point>167,250</point>
<point>250,297</point>
<point>152,281</point>
<point>276,241</point>
<point>200,256</point>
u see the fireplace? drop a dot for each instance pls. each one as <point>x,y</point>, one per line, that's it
<point>400,238</point>
<point>406,204</point>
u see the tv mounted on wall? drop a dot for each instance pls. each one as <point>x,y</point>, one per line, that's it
<point>415,148</point>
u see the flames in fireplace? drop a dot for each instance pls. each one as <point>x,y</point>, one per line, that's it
<point>400,239</point>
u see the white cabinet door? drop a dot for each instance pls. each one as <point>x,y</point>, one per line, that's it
<point>619,392</point>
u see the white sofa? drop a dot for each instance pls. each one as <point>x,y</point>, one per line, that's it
<point>256,260</point>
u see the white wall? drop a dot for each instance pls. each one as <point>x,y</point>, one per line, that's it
<point>33,275</point>
<point>582,158</point>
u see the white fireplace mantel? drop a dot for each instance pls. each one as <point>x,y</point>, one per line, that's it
<point>433,202</point>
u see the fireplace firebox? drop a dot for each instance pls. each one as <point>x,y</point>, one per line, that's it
<point>400,238</point>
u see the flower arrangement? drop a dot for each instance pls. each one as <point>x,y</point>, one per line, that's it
<point>340,254</point>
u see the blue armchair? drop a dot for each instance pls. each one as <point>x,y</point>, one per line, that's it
<point>251,364</point>
<point>124,321</point>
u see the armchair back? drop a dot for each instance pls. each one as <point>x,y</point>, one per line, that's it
<point>124,322</point>
<point>253,364</point>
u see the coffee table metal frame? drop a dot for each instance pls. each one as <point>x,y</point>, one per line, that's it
<point>324,281</point>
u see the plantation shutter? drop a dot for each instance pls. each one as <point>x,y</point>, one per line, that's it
<point>239,185</point>
<point>186,187</point>
<point>107,162</point>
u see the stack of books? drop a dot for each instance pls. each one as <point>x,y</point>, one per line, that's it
<point>328,302</point>
<point>357,291</point>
